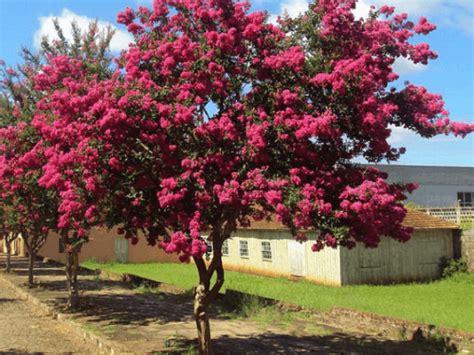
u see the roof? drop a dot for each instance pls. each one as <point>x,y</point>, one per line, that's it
<point>414,219</point>
<point>422,221</point>
<point>429,175</point>
<point>273,224</point>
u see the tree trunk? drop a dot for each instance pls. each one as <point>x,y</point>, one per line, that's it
<point>31,264</point>
<point>9,256</point>
<point>204,295</point>
<point>202,321</point>
<point>72,266</point>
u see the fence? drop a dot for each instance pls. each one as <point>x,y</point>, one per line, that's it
<point>454,214</point>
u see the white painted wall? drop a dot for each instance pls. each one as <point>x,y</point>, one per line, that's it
<point>392,261</point>
<point>322,267</point>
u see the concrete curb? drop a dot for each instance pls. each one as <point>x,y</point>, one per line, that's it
<point>103,345</point>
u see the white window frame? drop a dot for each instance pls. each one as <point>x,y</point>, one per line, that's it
<point>244,255</point>
<point>264,250</point>
<point>225,248</point>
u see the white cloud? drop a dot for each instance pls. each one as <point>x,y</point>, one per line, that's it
<point>362,10</point>
<point>454,13</point>
<point>400,135</point>
<point>120,40</point>
<point>412,7</point>
<point>293,8</point>
<point>403,66</point>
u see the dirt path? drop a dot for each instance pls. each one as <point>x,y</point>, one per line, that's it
<point>24,329</point>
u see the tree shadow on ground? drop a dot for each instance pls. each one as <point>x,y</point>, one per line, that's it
<point>42,267</point>
<point>5,300</point>
<point>84,285</point>
<point>19,351</point>
<point>336,343</point>
<point>126,308</point>
<point>39,271</point>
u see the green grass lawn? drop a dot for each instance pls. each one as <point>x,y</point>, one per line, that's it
<point>445,303</point>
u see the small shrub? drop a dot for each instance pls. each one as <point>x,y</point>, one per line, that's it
<point>451,267</point>
<point>467,225</point>
<point>412,205</point>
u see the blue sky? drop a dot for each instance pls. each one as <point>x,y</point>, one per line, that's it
<point>22,22</point>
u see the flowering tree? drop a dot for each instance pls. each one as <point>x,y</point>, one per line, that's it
<point>5,235</point>
<point>67,81</point>
<point>221,117</point>
<point>29,210</point>
<point>34,145</point>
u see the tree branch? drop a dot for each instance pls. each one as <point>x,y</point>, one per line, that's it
<point>202,270</point>
<point>219,282</point>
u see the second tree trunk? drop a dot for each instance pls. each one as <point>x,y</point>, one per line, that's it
<point>9,255</point>
<point>72,266</point>
<point>31,262</point>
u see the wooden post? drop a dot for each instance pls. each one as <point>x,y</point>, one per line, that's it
<point>458,212</point>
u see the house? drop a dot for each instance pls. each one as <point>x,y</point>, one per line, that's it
<point>439,186</point>
<point>108,246</point>
<point>17,247</point>
<point>267,248</point>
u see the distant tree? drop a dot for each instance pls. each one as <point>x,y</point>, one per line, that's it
<point>8,239</point>
<point>31,210</point>
<point>25,150</point>
<point>66,78</point>
<point>5,235</point>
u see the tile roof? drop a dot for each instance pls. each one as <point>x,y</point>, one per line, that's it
<point>414,219</point>
<point>421,220</point>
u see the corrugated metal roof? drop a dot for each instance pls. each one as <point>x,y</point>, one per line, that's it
<point>429,175</point>
<point>414,219</point>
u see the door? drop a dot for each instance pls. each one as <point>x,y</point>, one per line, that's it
<point>121,250</point>
<point>297,258</point>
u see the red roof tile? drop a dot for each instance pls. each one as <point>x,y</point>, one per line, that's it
<point>414,219</point>
<point>421,220</point>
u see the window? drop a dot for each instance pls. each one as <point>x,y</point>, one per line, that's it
<point>244,248</point>
<point>266,251</point>
<point>225,248</point>
<point>466,199</point>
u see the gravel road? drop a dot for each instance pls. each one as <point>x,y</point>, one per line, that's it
<point>24,329</point>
